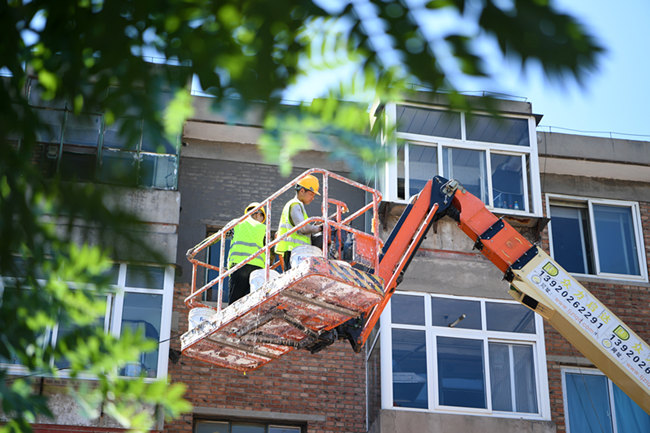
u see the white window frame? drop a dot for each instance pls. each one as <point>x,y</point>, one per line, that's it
<point>610,394</point>
<point>531,171</point>
<point>113,318</point>
<point>535,340</point>
<point>588,203</point>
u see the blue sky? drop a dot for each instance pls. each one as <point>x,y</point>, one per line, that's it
<point>615,98</point>
<point>610,101</point>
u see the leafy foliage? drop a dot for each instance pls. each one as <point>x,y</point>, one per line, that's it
<point>97,56</point>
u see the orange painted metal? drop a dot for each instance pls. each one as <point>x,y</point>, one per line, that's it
<point>294,309</point>
<point>401,250</point>
<point>505,246</point>
<point>287,313</point>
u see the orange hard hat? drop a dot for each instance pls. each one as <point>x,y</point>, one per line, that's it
<point>310,183</point>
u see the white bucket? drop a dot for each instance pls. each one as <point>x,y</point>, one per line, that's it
<point>300,253</point>
<point>256,278</point>
<point>198,315</point>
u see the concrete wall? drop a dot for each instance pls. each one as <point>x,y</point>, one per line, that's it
<point>594,157</point>
<point>160,212</point>
<point>214,191</point>
<point>447,263</point>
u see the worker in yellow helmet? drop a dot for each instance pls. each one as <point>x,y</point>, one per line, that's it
<point>293,214</point>
<point>247,239</point>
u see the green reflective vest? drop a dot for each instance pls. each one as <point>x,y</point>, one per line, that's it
<point>296,239</point>
<point>247,239</point>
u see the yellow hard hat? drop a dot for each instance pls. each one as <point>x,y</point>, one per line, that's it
<point>310,183</point>
<point>252,206</point>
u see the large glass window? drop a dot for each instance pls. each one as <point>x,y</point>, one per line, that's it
<point>84,147</point>
<point>425,121</point>
<point>467,354</point>
<point>142,303</point>
<point>493,129</point>
<point>468,167</point>
<point>494,158</point>
<point>593,404</point>
<point>597,237</point>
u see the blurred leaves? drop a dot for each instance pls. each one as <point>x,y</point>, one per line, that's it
<point>119,57</point>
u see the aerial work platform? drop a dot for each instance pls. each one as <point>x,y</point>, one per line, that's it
<point>321,300</point>
<point>286,313</point>
<point>300,308</point>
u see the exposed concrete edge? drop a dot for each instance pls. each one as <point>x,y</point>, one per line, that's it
<point>585,167</point>
<point>248,414</point>
<point>570,360</point>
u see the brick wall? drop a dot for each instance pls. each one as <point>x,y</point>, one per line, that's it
<point>630,302</point>
<point>328,384</point>
<point>215,191</point>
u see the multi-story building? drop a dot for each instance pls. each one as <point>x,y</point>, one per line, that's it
<point>452,352</point>
<point>82,148</point>
<point>498,368</point>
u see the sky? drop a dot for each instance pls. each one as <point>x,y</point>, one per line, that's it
<point>613,100</point>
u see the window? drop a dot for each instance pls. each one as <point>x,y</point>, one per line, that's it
<point>597,237</point>
<point>474,355</point>
<point>213,254</point>
<point>242,427</point>
<point>83,147</point>
<point>593,404</point>
<point>143,302</point>
<point>494,158</point>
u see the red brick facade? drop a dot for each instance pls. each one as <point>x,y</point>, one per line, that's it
<point>330,384</point>
<point>629,302</point>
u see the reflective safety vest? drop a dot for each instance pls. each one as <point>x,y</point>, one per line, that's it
<point>296,239</point>
<point>247,239</point>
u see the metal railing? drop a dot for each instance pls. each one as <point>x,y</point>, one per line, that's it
<point>335,224</point>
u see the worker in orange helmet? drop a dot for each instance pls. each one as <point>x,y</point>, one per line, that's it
<point>247,239</point>
<point>293,214</point>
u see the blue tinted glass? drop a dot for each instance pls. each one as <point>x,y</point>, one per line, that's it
<point>423,165</point>
<point>588,403</point>
<point>158,171</point>
<point>570,239</point>
<point>82,130</point>
<point>524,370</point>
<point>456,313</point>
<point>115,135</point>
<point>141,312</point>
<point>214,252</point>
<point>617,250</point>
<point>409,369</point>
<point>424,121</point>
<point>500,378</point>
<point>509,318</point>
<point>629,416</point>
<point>461,377</point>
<point>507,182</point>
<point>118,167</point>
<point>467,167</point>
<point>150,277</point>
<point>281,429</point>
<point>408,310</point>
<point>247,428</point>
<point>497,130</point>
